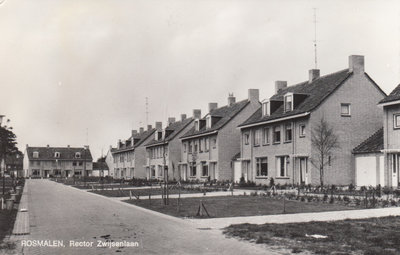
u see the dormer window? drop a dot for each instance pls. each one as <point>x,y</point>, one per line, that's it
<point>288,102</point>
<point>266,109</point>
<point>35,154</point>
<point>77,155</point>
<point>208,121</point>
<point>197,124</point>
<point>56,154</point>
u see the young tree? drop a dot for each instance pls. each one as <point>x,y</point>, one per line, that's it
<point>324,141</point>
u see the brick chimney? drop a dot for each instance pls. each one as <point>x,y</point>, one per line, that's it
<point>212,106</point>
<point>134,132</point>
<point>119,143</point>
<point>159,125</point>
<point>312,75</point>
<point>141,130</point>
<point>356,64</point>
<point>196,113</point>
<point>231,99</point>
<point>171,120</point>
<point>183,117</point>
<point>254,95</point>
<point>149,127</point>
<point>48,146</point>
<point>280,85</point>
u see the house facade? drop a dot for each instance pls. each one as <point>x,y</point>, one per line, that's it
<point>57,161</point>
<point>209,146</point>
<point>129,157</point>
<point>276,141</point>
<point>164,150</point>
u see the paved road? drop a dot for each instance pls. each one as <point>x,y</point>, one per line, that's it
<point>59,212</point>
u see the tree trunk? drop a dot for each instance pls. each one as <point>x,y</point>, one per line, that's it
<point>321,176</point>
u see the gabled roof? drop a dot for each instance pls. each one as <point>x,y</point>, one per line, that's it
<point>140,137</point>
<point>373,144</point>
<point>175,128</point>
<point>317,91</point>
<point>226,113</point>
<point>66,153</point>
<point>393,96</point>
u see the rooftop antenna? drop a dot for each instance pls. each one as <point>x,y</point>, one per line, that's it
<point>87,136</point>
<point>147,111</point>
<point>315,38</point>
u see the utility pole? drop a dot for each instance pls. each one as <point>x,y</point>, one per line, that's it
<point>147,111</point>
<point>315,38</point>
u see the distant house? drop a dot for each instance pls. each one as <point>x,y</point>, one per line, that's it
<point>129,158</point>
<point>209,146</point>
<point>100,168</point>
<point>14,164</point>
<point>378,157</point>
<point>110,161</point>
<point>57,161</point>
<point>164,150</point>
<point>276,140</point>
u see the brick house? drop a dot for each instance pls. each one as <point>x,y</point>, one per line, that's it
<point>129,157</point>
<point>164,150</point>
<point>276,140</point>
<point>210,145</point>
<point>57,161</point>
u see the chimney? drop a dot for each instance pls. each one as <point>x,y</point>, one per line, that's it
<point>27,146</point>
<point>280,85</point>
<point>86,147</point>
<point>141,130</point>
<point>356,64</point>
<point>312,75</point>
<point>48,146</point>
<point>197,114</point>
<point>254,95</point>
<point>171,120</point>
<point>134,132</point>
<point>159,125</point>
<point>149,127</point>
<point>119,143</point>
<point>183,117</point>
<point>212,106</point>
<point>68,146</point>
<point>231,99</point>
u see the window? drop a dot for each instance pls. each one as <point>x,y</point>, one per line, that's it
<point>288,132</point>
<point>201,141</point>
<point>214,143</point>
<point>262,166</point>
<point>77,155</point>
<point>184,147</point>
<point>204,169</point>
<point>206,144</point>
<point>190,147</point>
<point>208,121</point>
<point>160,171</point>
<point>80,163</point>
<point>288,103</point>
<point>74,163</point>
<point>153,172</point>
<point>277,134</point>
<point>257,137</point>
<point>396,120</point>
<point>246,137</point>
<point>197,124</point>
<point>302,130</point>
<point>265,136</point>
<point>345,110</point>
<point>281,166</point>
<point>193,172</point>
<point>265,108</point>
<point>195,146</point>
<point>56,154</point>
<point>35,154</point>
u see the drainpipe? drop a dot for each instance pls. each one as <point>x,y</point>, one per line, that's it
<point>293,149</point>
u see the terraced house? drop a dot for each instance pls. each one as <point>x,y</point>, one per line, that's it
<point>378,157</point>
<point>164,150</point>
<point>129,157</point>
<point>209,146</point>
<point>57,161</point>
<point>276,140</point>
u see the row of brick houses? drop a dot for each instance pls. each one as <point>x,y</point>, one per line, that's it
<point>257,141</point>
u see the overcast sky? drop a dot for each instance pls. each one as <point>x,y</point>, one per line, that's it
<point>68,67</point>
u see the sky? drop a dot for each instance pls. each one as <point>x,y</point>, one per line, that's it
<point>76,72</point>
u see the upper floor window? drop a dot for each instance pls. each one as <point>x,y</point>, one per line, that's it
<point>257,137</point>
<point>214,143</point>
<point>265,136</point>
<point>77,155</point>
<point>184,147</point>
<point>277,134</point>
<point>56,154</point>
<point>195,146</point>
<point>35,154</point>
<point>246,138</point>
<point>265,108</point>
<point>190,147</point>
<point>201,141</point>
<point>197,124</point>
<point>206,144</point>
<point>288,132</point>
<point>208,121</point>
<point>345,109</point>
<point>302,130</point>
<point>396,120</point>
<point>289,103</point>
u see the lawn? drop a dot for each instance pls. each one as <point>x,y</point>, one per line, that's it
<point>139,192</point>
<point>234,206</point>
<point>7,219</point>
<point>366,236</point>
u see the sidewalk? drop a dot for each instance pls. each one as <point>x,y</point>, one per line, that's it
<point>21,225</point>
<point>218,223</point>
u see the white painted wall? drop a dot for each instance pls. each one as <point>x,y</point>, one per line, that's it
<point>366,170</point>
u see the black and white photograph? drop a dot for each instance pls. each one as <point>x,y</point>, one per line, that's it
<point>199,127</point>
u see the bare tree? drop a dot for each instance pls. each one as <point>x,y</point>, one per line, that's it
<point>324,141</point>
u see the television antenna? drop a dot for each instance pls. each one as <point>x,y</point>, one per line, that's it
<point>315,38</point>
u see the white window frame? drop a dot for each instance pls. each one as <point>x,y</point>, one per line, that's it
<point>57,154</point>
<point>257,137</point>
<point>396,121</point>
<point>246,138</point>
<point>35,154</point>
<point>266,109</point>
<point>349,109</point>
<point>77,155</point>
<point>208,122</point>
<point>302,130</point>
<point>291,132</point>
<point>266,136</point>
<point>204,164</point>
<point>259,162</point>
<point>280,134</point>
<point>288,95</point>
<point>278,166</point>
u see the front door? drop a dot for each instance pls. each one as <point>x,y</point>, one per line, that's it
<point>395,169</point>
<point>303,171</point>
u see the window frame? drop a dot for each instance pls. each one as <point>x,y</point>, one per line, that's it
<point>285,102</point>
<point>35,154</point>
<point>348,107</point>
<point>395,124</point>
<point>204,164</point>
<point>285,166</point>
<point>246,138</point>
<point>257,137</point>
<point>275,129</point>
<point>266,136</point>
<point>259,164</point>
<point>266,110</point>
<point>286,132</point>
<point>302,127</point>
